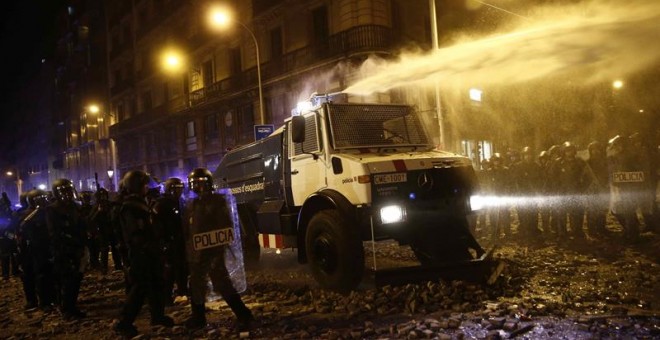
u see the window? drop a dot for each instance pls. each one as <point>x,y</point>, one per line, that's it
<point>191,140</point>
<point>235,61</point>
<point>211,128</point>
<point>320,24</point>
<point>121,113</point>
<point>311,143</point>
<point>228,129</point>
<point>147,103</point>
<point>207,73</point>
<point>246,124</point>
<point>276,48</point>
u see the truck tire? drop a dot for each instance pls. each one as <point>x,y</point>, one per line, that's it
<point>249,239</point>
<point>453,245</point>
<point>334,251</point>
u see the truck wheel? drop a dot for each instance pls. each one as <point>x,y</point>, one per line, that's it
<point>334,251</point>
<point>453,245</point>
<point>249,239</point>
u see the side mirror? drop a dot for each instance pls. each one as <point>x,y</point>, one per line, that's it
<point>298,129</point>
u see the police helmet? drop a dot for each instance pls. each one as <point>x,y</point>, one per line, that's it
<point>544,156</point>
<point>527,151</point>
<point>553,151</point>
<point>86,197</point>
<point>101,195</point>
<point>616,141</point>
<point>496,160</point>
<point>37,198</point>
<point>135,182</point>
<point>200,181</point>
<point>568,147</point>
<point>63,190</point>
<point>594,147</point>
<point>173,186</point>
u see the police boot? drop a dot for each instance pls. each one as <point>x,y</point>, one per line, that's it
<point>243,314</point>
<point>198,318</point>
<point>125,329</point>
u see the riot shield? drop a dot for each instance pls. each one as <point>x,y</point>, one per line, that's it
<point>233,251</point>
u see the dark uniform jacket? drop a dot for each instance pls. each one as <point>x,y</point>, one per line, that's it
<point>67,231</point>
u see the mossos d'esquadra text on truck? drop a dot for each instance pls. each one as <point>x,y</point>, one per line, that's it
<point>337,174</point>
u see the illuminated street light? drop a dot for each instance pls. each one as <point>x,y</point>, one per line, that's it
<point>173,61</point>
<point>219,18</point>
<point>111,173</point>
<point>93,108</point>
<point>97,110</point>
<point>19,181</point>
<point>617,84</point>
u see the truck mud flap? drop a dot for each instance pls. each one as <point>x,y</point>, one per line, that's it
<point>484,270</point>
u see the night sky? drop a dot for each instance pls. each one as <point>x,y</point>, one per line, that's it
<point>28,36</point>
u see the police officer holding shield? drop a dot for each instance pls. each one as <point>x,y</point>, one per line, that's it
<point>207,216</point>
<point>67,230</point>
<point>168,218</point>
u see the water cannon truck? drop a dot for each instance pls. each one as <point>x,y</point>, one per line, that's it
<point>338,175</point>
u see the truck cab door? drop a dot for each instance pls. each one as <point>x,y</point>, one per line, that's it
<point>307,169</point>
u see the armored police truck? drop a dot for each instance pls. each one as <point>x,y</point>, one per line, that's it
<point>337,174</point>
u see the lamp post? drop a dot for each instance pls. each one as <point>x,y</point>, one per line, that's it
<point>110,173</point>
<point>95,109</point>
<point>19,182</point>
<point>220,18</point>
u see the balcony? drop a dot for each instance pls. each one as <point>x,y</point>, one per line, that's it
<point>360,39</point>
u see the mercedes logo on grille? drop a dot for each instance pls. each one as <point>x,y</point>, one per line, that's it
<point>425,181</point>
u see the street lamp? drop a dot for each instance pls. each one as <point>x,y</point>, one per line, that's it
<point>19,181</point>
<point>110,173</point>
<point>172,60</point>
<point>103,134</point>
<point>220,18</point>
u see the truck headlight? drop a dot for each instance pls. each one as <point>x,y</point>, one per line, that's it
<point>392,214</point>
<point>477,202</point>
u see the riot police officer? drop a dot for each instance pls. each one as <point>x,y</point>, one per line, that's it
<point>8,246</point>
<point>145,273</point>
<point>167,216</point>
<point>101,219</point>
<point>86,209</point>
<point>35,252</point>
<point>67,231</point>
<point>598,203</point>
<point>641,154</point>
<point>528,176</point>
<point>500,185</point>
<point>574,179</point>
<point>552,190</point>
<point>206,213</point>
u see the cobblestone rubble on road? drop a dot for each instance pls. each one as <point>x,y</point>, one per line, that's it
<point>589,290</point>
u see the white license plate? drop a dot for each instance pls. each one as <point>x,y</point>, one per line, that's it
<point>399,177</point>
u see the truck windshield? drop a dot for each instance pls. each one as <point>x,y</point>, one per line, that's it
<point>374,125</point>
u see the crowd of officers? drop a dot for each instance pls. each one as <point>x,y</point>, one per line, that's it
<point>557,194</point>
<point>56,236</point>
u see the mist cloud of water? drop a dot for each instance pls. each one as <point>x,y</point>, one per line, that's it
<point>595,41</point>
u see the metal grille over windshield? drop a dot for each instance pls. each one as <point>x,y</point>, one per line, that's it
<point>373,125</point>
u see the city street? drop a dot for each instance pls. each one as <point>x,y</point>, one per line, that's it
<point>600,289</point>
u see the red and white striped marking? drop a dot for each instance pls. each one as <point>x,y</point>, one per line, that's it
<point>275,241</point>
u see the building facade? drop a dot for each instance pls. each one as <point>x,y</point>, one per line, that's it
<point>81,97</point>
<point>170,123</point>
